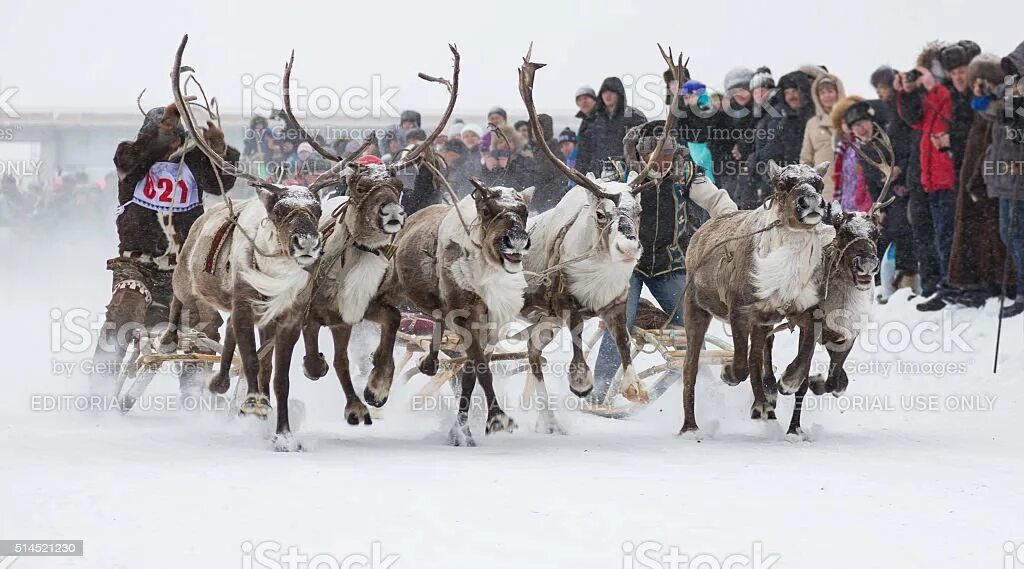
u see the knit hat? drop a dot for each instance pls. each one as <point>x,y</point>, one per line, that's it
<point>470,127</point>
<point>305,147</point>
<point>883,76</point>
<point>567,135</point>
<point>738,78</point>
<point>455,129</point>
<point>498,111</point>
<point>693,86</point>
<point>585,91</point>
<point>152,121</point>
<point>762,78</point>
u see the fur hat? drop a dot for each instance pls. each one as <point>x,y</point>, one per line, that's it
<point>839,111</point>
<point>738,78</point>
<point>929,58</point>
<point>762,78</point>
<point>958,54</point>
<point>153,119</point>
<point>985,66</point>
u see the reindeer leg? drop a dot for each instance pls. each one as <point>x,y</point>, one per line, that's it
<point>581,379</point>
<point>761,409</point>
<point>696,321</point>
<point>256,401</point>
<point>736,372</point>
<point>220,382</point>
<point>497,419</point>
<point>355,410</point>
<point>771,384</point>
<point>378,387</point>
<point>314,364</point>
<point>838,381</point>
<point>615,319</point>
<point>266,360</point>
<point>285,338</point>
<point>459,435</point>
<point>539,336</point>
<point>429,364</point>
<point>799,369</point>
<point>794,422</point>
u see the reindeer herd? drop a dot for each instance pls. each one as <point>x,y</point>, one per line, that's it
<point>284,264</point>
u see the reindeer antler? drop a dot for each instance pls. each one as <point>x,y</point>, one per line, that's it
<point>182,103</point>
<point>453,90</point>
<point>886,164</point>
<point>677,72</point>
<point>526,77</point>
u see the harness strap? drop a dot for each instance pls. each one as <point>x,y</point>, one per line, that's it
<point>220,239</point>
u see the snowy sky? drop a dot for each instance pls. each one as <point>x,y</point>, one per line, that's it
<point>98,55</point>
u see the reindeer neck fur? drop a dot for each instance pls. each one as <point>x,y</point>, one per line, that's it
<point>355,278</point>
<point>786,263</point>
<point>501,291</point>
<point>594,282</point>
<point>277,278</point>
<point>842,302</point>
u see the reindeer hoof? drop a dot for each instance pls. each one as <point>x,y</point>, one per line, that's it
<point>219,383</point>
<point>500,422</point>
<point>729,376</point>
<point>762,412</point>
<point>428,365</point>
<point>690,432</point>
<point>547,424</point>
<point>286,442</point>
<point>817,385</point>
<point>837,385</point>
<point>636,393</point>
<point>356,412</point>
<point>167,342</point>
<point>581,381</point>
<point>256,405</point>
<point>581,394</point>
<point>374,397</point>
<point>315,367</point>
<point>459,436</point>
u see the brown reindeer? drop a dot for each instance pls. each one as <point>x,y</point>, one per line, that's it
<point>361,227</point>
<point>269,245</point>
<point>753,269</point>
<point>463,263</point>
<point>587,248</point>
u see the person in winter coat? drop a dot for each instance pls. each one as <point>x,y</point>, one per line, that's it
<point>471,138</point>
<point>855,181</point>
<point>542,174</point>
<point>670,214</point>
<point>1003,170</point>
<point>820,135</point>
<point>927,106</point>
<point>780,133</point>
<point>734,126</point>
<point>505,165</point>
<point>978,256</point>
<point>159,199</point>
<point>567,145</point>
<point>602,137</point>
<point>586,102</point>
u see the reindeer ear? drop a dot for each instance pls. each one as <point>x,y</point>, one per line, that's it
<point>774,171</point>
<point>632,176</point>
<point>480,190</point>
<point>528,194</point>
<point>822,168</point>
<point>268,198</point>
<point>591,176</point>
<point>834,213</point>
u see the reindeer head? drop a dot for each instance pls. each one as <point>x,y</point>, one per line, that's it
<point>617,221</point>
<point>856,235</point>
<point>294,211</point>
<point>797,196</point>
<point>502,217</point>
<point>375,209</point>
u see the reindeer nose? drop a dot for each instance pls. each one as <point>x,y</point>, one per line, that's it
<point>305,242</point>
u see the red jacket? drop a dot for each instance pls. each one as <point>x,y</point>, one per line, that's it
<point>937,169</point>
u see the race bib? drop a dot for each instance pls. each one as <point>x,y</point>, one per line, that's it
<point>169,186</point>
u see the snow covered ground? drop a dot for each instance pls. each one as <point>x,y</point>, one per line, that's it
<point>919,465</point>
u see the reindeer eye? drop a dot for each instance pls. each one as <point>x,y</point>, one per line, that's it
<point>602,216</point>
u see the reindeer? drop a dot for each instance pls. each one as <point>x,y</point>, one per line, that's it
<point>358,249</point>
<point>587,248</point>
<point>753,269</point>
<point>846,292</point>
<point>274,242</point>
<point>463,262</point>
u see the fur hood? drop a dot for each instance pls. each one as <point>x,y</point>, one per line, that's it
<point>826,78</point>
<point>840,109</point>
<point>517,142</point>
<point>986,66</point>
<point>929,58</point>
